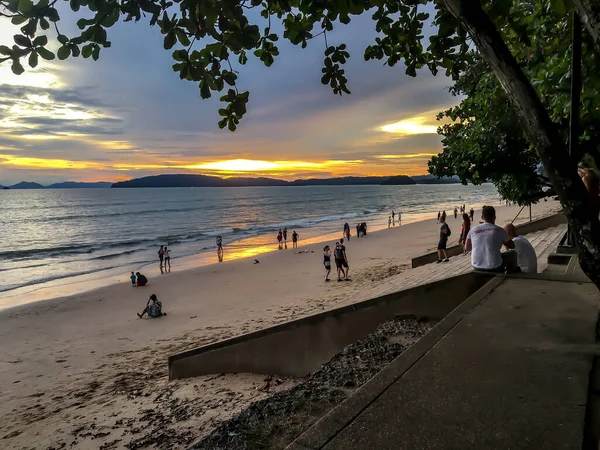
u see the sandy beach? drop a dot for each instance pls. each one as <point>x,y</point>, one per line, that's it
<point>84,372</point>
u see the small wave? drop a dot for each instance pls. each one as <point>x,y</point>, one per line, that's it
<point>53,278</point>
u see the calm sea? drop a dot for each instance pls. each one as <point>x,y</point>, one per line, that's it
<point>56,236</point>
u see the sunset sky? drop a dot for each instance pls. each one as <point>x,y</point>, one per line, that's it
<point>129,115</point>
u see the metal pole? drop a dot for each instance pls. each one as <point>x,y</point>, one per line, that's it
<point>575,99</point>
<point>530,213</point>
<point>575,85</point>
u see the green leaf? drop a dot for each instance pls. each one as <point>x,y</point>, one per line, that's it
<point>33,59</point>
<point>25,7</point>
<point>45,53</point>
<point>44,24</point>
<point>223,123</point>
<point>4,50</point>
<point>62,39</point>
<point>40,41</point>
<point>63,52</point>
<point>17,68</point>
<point>86,51</point>
<point>170,40</point>
<point>96,53</point>
<point>559,6</point>
<point>231,124</point>
<point>22,41</point>
<point>52,15</point>
<point>18,20</point>
<point>74,50</point>
<point>182,37</point>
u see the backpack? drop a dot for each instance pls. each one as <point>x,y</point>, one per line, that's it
<point>449,231</point>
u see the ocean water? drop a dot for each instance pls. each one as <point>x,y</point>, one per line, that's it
<point>57,236</point>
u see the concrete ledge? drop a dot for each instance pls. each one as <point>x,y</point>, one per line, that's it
<point>331,424</point>
<point>524,228</point>
<point>509,368</point>
<point>301,346</point>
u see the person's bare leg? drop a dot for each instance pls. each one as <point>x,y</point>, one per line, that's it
<point>143,312</point>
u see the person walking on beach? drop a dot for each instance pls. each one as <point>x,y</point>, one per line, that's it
<point>141,279</point>
<point>455,212</point>
<point>153,308</point>
<point>279,238</point>
<point>347,231</point>
<point>466,227</point>
<point>285,235</point>
<point>219,242</point>
<point>358,230</point>
<point>327,261</point>
<point>167,258</point>
<point>472,215</point>
<point>389,221</point>
<point>132,278</point>
<point>439,215</point>
<point>443,242</point>
<point>295,237</point>
<point>161,254</point>
<point>443,217</point>
<point>341,261</point>
<point>393,218</point>
<point>399,218</point>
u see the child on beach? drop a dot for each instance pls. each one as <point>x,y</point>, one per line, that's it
<point>327,261</point>
<point>132,278</point>
<point>153,308</point>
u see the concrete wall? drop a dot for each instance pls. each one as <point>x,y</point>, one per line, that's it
<point>524,228</point>
<point>301,346</point>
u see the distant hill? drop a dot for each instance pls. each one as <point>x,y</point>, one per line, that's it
<point>188,180</point>
<point>432,179</point>
<point>80,185</point>
<point>27,185</point>
<point>398,180</point>
<point>351,181</point>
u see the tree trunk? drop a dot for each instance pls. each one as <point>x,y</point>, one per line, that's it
<point>589,12</point>
<point>543,134</point>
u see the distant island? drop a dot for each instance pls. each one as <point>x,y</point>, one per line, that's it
<point>191,180</point>
<point>188,180</point>
<point>63,185</point>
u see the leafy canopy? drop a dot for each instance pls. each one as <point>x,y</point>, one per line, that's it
<point>211,37</point>
<point>484,140</point>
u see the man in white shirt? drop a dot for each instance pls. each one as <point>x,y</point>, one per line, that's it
<point>526,258</point>
<point>485,241</point>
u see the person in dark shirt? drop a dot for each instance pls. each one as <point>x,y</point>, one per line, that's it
<point>341,260</point>
<point>295,237</point>
<point>327,261</point>
<point>443,242</point>
<point>141,279</point>
<point>466,227</point>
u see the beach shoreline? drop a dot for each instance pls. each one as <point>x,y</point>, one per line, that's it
<point>82,371</point>
<point>247,248</point>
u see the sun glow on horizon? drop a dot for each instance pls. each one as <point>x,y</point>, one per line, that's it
<point>415,125</point>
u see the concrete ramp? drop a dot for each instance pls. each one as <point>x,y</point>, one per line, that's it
<point>298,347</point>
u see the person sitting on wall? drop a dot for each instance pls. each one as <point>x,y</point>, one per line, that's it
<point>485,242</point>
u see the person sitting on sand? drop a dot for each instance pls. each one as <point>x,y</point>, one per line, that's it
<point>485,242</point>
<point>526,257</point>
<point>133,280</point>
<point>141,279</point>
<point>153,308</point>
<point>327,261</point>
